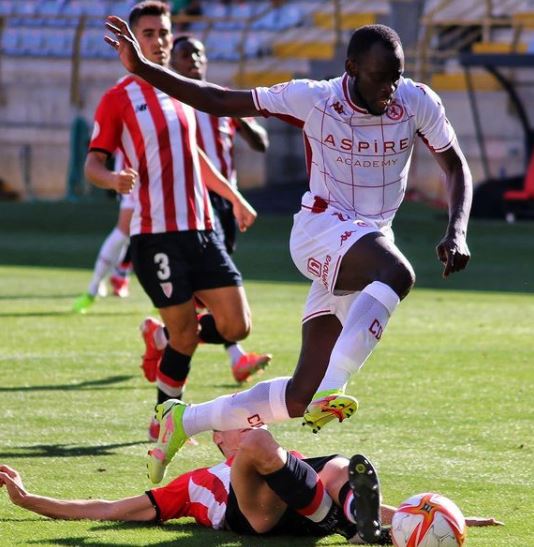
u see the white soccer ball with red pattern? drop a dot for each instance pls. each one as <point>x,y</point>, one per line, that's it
<point>428,520</point>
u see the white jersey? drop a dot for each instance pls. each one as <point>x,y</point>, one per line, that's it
<point>358,163</point>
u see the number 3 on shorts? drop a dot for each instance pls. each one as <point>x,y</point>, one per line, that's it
<point>162,260</point>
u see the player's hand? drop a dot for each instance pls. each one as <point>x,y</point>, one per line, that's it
<point>244,213</point>
<point>125,180</point>
<point>11,479</point>
<point>125,43</point>
<point>453,253</point>
<point>483,521</point>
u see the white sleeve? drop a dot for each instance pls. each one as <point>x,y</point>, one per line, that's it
<point>432,123</point>
<point>295,98</point>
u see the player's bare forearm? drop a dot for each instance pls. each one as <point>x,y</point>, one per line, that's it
<point>97,173</point>
<point>452,250</point>
<point>138,508</point>
<point>200,95</point>
<point>459,188</point>
<point>254,134</point>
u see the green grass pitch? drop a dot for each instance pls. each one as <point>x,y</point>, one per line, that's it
<point>446,399</point>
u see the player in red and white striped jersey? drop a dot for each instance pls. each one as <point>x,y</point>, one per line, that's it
<point>359,131</point>
<point>175,252</point>
<point>241,494</point>
<point>216,137</point>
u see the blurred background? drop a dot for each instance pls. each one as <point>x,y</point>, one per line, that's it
<point>477,54</point>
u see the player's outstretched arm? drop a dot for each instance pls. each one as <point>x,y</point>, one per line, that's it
<point>200,95</point>
<point>452,250</point>
<point>138,508</point>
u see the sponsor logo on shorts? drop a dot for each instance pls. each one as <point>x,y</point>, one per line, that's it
<point>376,329</point>
<point>166,288</point>
<point>326,267</point>
<point>255,421</point>
<point>361,223</point>
<point>345,236</point>
<point>314,267</point>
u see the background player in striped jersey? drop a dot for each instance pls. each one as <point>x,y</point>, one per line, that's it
<point>359,130</point>
<point>175,252</point>
<point>259,488</point>
<point>215,136</point>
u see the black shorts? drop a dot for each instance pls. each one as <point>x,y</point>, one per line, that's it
<point>291,523</point>
<point>172,266</point>
<point>224,222</point>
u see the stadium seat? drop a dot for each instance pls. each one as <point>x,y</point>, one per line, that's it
<point>11,42</point>
<point>514,197</point>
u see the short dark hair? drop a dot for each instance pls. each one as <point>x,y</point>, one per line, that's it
<point>365,37</point>
<point>182,38</point>
<point>148,7</point>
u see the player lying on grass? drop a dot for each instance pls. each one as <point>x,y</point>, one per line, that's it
<point>259,489</point>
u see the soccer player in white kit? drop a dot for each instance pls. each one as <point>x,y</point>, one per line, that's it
<point>359,131</point>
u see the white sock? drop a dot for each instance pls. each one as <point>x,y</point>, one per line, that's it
<point>235,352</point>
<point>262,404</point>
<point>109,254</point>
<point>366,320</point>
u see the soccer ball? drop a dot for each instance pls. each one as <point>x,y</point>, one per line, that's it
<point>428,520</point>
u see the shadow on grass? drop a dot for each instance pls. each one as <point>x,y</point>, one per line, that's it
<point>65,450</point>
<point>187,533</point>
<point>87,385</point>
<point>68,313</point>
<point>47,296</point>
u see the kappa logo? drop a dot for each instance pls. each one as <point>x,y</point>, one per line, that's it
<point>141,107</point>
<point>338,107</point>
<point>345,236</point>
<point>341,216</point>
<point>395,111</point>
<point>361,223</point>
<point>314,267</point>
<point>167,288</point>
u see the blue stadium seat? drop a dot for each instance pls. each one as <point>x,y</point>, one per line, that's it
<point>11,42</point>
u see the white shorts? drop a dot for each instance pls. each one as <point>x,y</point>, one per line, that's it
<point>127,201</point>
<point>319,240</point>
<point>321,302</point>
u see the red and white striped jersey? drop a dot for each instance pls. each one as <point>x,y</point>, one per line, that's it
<point>157,135</point>
<point>215,136</point>
<point>357,162</point>
<point>201,494</point>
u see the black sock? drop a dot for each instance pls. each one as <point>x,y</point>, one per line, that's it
<point>208,331</point>
<point>172,374</point>
<point>298,485</point>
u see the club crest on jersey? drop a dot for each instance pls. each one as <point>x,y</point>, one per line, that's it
<point>395,111</point>
<point>166,288</point>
